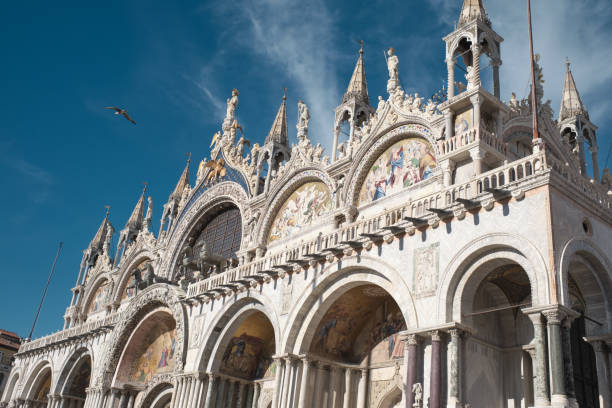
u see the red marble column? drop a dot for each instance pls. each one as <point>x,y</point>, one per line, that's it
<point>434,374</point>
<point>411,369</point>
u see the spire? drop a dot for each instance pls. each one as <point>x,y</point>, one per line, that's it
<point>358,87</point>
<point>98,239</point>
<point>279,132</point>
<point>183,181</point>
<point>136,219</point>
<point>473,10</point>
<point>571,104</point>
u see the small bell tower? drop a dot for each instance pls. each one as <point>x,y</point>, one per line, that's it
<point>354,109</point>
<point>471,111</point>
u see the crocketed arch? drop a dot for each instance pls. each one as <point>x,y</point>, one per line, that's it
<point>466,35</point>
<point>312,304</point>
<point>134,261</point>
<point>227,321</point>
<point>70,367</point>
<point>9,389</point>
<point>156,296</point>
<point>101,280</point>
<point>36,379</point>
<point>586,251</point>
<point>464,264</point>
<point>220,194</point>
<point>281,192</point>
<point>369,152</point>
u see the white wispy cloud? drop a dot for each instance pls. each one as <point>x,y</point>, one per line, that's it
<point>38,181</point>
<point>296,37</point>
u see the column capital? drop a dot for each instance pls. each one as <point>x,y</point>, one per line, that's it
<point>435,335</point>
<point>476,99</point>
<point>477,153</point>
<point>554,316</point>
<point>536,318</point>
<point>475,47</point>
<point>409,338</point>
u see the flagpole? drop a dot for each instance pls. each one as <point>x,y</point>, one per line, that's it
<point>45,292</point>
<point>534,99</point>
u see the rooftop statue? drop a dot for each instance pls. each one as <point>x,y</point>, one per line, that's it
<point>232,104</point>
<point>392,66</point>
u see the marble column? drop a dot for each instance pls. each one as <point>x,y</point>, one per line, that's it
<point>131,399</point>
<point>450,87</point>
<point>241,394</point>
<point>304,384</point>
<point>256,390</point>
<point>209,391</point>
<point>347,387</point>
<point>496,91</point>
<point>277,382</point>
<point>476,63</point>
<point>557,372</point>
<point>450,127</point>
<point>220,392</point>
<point>568,366</point>
<point>335,387</point>
<point>286,382</point>
<point>454,372</point>
<point>193,396</point>
<point>123,399</point>
<point>362,401</point>
<point>200,390</point>
<point>603,374</point>
<point>230,394</point>
<point>180,396</point>
<point>410,351</point>
<point>540,378</point>
<point>476,104</point>
<point>435,374</point>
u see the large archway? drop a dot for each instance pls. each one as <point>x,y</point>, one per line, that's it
<point>150,355</point>
<point>353,351</point>
<point>39,387</point>
<point>75,379</point>
<point>500,347</point>
<point>243,360</point>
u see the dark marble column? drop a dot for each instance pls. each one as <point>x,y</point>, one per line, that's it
<point>209,391</point>
<point>568,366</point>
<point>256,391</point>
<point>435,374</point>
<point>603,373</point>
<point>220,392</point>
<point>410,344</point>
<point>559,396</point>
<point>540,363</point>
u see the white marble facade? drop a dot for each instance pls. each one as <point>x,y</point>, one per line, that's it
<point>439,257</point>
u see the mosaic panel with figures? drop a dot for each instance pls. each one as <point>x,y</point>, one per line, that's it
<point>402,165</point>
<point>157,354</point>
<point>309,202</point>
<point>97,302</point>
<point>130,289</point>
<point>363,323</point>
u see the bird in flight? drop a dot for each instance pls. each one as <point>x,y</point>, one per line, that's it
<point>119,111</point>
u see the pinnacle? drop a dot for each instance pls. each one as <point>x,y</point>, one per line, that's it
<point>571,104</point>
<point>473,10</point>
<point>182,183</point>
<point>98,239</point>
<point>358,87</point>
<point>136,219</point>
<point>279,132</point>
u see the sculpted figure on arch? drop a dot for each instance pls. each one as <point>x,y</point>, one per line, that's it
<point>232,103</point>
<point>392,63</point>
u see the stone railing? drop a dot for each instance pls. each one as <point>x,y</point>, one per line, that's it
<point>364,229</point>
<point>69,333</point>
<point>469,138</point>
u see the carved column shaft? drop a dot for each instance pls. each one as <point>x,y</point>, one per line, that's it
<point>554,318</point>
<point>362,401</point>
<point>450,66</point>
<point>277,382</point>
<point>476,63</point>
<point>454,374</point>
<point>209,391</point>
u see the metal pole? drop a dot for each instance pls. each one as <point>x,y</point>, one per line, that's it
<point>45,292</point>
<point>534,99</point>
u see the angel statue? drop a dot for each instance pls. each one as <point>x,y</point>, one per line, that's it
<point>201,169</point>
<point>217,170</point>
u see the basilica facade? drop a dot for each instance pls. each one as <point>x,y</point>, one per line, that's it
<point>439,256</point>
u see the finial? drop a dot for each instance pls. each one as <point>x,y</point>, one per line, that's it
<point>145,187</point>
<point>567,63</point>
<point>284,94</point>
<point>360,47</point>
<point>188,157</point>
<point>107,210</point>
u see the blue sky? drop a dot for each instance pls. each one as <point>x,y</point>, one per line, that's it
<point>173,64</point>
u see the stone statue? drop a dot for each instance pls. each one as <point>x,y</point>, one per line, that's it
<point>381,106</point>
<point>416,104</point>
<point>430,107</point>
<point>514,103</point>
<point>303,117</point>
<point>232,103</point>
<point>241,142</point>
<point>470,77</point>
<point>149,212</point>
<point>417,390</point>
<point>107,241</point>
<point>149,275</point>
<point>201,169</point>
<point>392,64</point>
<point>318,152</point>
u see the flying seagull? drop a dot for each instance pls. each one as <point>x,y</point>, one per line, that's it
<point>119,111</point>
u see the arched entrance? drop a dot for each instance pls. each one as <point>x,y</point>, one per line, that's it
<point>244,361</point>
<point>39,391</point>
<point>354,352</point>
<point>74,381</point>
<point>500,349</point>
<point>149,357</point>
